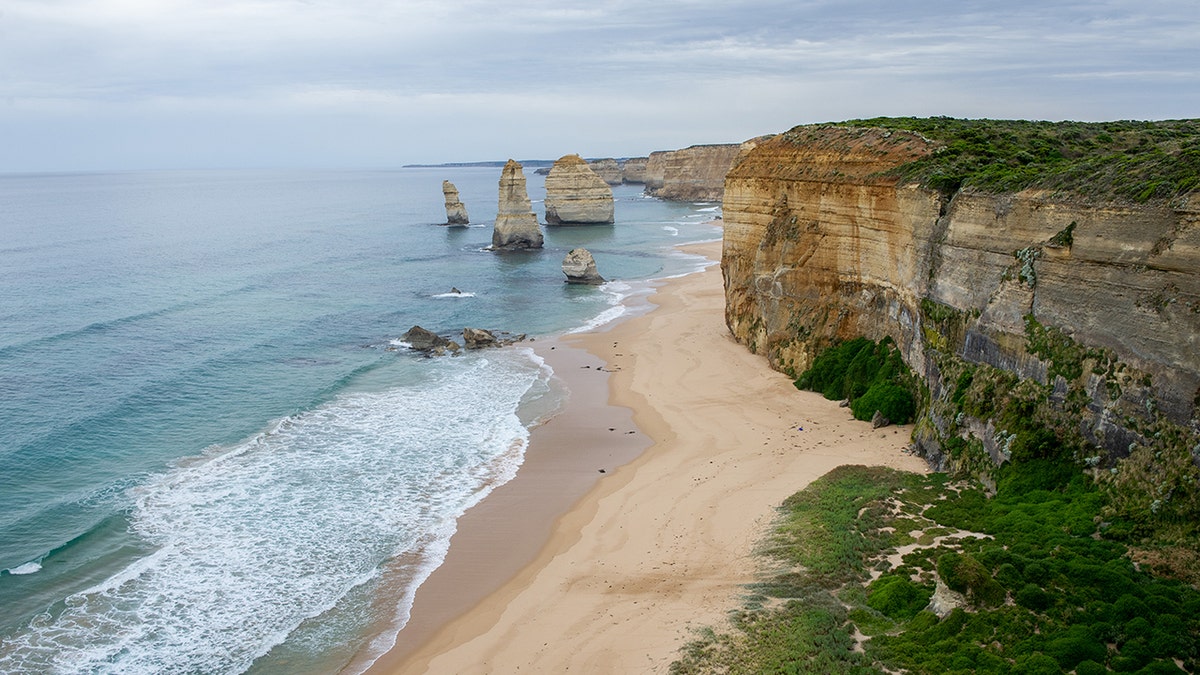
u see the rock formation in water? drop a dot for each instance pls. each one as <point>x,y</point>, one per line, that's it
<point>430,343</point>
<point>608,170</point>
<point>516,226</point>
<point>478,338</point>
<point>580,267</point>
<point>1090,307</point>
<point>575,195</point>
<point>456,211</point>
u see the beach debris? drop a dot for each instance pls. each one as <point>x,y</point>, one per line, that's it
<point>456,211</point>
<point>603,471</point>
<point>580,267</point>
<point>575,195</point>
<point>878,420</point>
<point>844,403</point>
<point>516,227</point>
<point>479,338</point>
<point>430,343</point>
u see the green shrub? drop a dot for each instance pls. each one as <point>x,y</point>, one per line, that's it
<point>1009,577</point>
<point>1090,668</point>
<point>897,597</point>
<point>1161,668</point>
<point>892,401</point>
<point>872,376</point>
<point>966,575</point>
<point>1037,664</point>
<point>1032,597</point>
<point>1075,647</point>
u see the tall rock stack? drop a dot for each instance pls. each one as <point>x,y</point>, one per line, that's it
<point>456,211</point>
<point>516,226</point>
<point>575,195</point>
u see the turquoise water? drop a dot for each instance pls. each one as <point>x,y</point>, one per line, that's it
<point>214,453</point>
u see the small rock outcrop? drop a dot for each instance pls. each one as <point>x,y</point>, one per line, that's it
<point>478,338</point>
<point>608,169</point>
<point>878,420</point>
<point>456,211</point>
<point>575,195</point>
<point>580,267</point>
<point>430,343</point>
<point>516,226</point>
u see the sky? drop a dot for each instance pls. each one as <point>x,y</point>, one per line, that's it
<point>147,84</point>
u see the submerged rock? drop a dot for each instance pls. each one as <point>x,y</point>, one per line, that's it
<point>429,342</point>
<point>575,195</point>
<point>580,267</point>
<point>516,226</point>
<point>456,211</point>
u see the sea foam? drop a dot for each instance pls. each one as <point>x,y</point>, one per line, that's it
<point>253,540</point>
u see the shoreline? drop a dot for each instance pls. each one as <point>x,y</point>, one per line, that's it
<point>619,575</point>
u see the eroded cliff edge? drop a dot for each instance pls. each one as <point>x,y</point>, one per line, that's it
<point>1091,305</point>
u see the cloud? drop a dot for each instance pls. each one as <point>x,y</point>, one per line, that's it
<point>441,80</point>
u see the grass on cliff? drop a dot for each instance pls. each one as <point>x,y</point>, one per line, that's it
<point>1040,589</point>
<point>1126,160</point>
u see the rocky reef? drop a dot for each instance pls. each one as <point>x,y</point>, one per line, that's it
<point>516,225</point>
<point>456,211</point>
<point>575,195</point>
<point>1082,312</point>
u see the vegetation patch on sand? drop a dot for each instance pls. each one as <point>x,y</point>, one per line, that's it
<point>1022,581</point>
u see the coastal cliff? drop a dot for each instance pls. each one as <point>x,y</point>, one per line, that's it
<point>1083,311</point>
<point>695,174</point>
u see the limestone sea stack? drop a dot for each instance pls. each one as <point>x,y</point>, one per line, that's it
<point>580,267</point>
<point>456,211</point>
<point>516,226</point>
<point>575,195</point>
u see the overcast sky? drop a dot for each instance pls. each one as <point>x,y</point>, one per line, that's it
<point>116,84</point>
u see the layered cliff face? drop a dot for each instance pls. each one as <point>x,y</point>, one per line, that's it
<point>633,170</point>
<point>694,174</point>
<point>575,195</point>
<point>516,225</point>
<point>1097,303</point>
<point>607,169</point>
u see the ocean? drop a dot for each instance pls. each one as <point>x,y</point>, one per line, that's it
<point>216,455</point>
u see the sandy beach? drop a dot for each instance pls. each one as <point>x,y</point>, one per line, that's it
<point>700,443</point>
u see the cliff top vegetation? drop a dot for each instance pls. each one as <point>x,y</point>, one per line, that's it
<point>1125,160</point>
